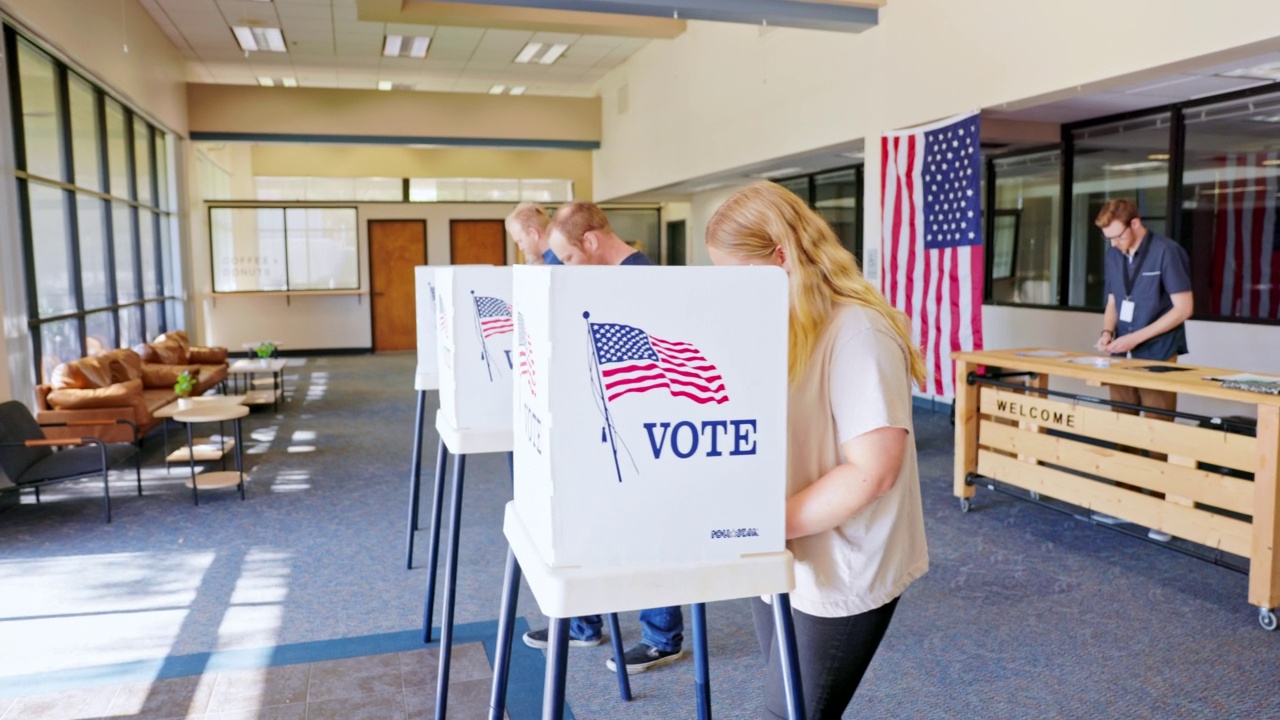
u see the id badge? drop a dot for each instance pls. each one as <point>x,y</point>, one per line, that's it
<point>1126,311</point>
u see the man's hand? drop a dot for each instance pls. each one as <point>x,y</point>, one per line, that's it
<point>1122,344</point>
<point>1103,342</point>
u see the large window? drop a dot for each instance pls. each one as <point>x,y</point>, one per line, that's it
<point>102,266</point>
<point>276,249</point>
<point>1230,179</point>
<point>1023,236</point>
<point>837,196</point>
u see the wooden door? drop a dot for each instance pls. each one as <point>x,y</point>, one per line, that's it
<point>478,242</point>
<point>395,248</point>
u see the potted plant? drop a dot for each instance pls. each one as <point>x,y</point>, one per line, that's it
<point>182,388</point>
<point>265,351</point>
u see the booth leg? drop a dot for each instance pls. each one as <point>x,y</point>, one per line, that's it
<point>615,638</point>
<point>433,540</point>
<point>785,629</point>
<point>557,666</point>
<point>450,587</point>
<point>701,664</point>
<point>415,477</point>
<point>506,630</point>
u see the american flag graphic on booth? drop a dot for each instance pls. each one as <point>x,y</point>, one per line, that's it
<point>494,314</point>
<point>633,361</point>
<point>932,266</point>
<point>524,355</point>
<point>1241,201</point>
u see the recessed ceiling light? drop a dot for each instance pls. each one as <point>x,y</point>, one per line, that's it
<point>418,48</point>
<point>1268,71</point>
<point>391,45</point>
<point>402,46</point>
<point>259,39</point>
<point>855,155</point>
<point>497,89</point>
<point>526,55</point>
<point>518,90</point>
<point>553,54</point>
<point>289,82</point>
<point>1158,156</point>
<point>384,84</point>
<point>266,82</point>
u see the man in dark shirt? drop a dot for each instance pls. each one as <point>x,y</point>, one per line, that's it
<point>580,235</point>
<point>1148,294</point>
<point>527,226</point>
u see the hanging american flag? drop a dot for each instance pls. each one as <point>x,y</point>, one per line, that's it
<point>524,355</point>
<point>1245,235</point>
<point>494,314</point>
<point>633,361</point>
<point>931,216</point>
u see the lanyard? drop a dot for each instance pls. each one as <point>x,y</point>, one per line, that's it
<point>1132,268</point>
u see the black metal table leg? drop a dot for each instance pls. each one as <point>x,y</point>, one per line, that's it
<point>239,457</point>
<point>450,588</point>
<point>701,664</point>
<point>191,461</point>
<point>415,477</point>
<point>785,629</point>
<point>557,666</point>
<point>433,539</point>
<point>506,630</point>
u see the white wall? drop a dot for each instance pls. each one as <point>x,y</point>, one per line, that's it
<point>303,322</point>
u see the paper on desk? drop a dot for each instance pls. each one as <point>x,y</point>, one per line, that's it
<point>1042,353</point>
<point>1245,377</point>
<point>1094,360</point>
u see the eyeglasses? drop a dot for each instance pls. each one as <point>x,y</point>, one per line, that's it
<point>1112,238</point>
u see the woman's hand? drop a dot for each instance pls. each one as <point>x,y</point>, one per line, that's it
<point>872,463</point>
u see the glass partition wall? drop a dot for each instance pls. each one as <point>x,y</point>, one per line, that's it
<point>102,260</point>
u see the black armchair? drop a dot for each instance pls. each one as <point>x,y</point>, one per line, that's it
<point>28,460</point>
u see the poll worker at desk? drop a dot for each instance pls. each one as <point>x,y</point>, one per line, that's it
<point>580,234</point>
<point>1147,284</point>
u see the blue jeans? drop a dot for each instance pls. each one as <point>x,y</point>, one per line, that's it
<point>662,628</point>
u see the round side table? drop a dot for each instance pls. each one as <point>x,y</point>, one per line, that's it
<point>207,480</point>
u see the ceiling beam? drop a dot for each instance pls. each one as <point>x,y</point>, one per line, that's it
<point>843,16</point>
<point>462,14</point>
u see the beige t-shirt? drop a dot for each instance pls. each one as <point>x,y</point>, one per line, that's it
<point>860,377</point>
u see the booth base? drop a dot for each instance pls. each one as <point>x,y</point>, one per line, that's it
<point>572,591</point>
<point>471,441</point>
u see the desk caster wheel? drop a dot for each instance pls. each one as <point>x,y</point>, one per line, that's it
<point>965,506</point>
<point>1266,618</point>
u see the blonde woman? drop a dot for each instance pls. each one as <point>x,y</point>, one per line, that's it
<point>854,519</point>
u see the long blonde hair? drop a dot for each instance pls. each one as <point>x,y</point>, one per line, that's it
<point>823,274</point>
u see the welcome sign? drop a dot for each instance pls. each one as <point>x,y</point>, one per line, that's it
<point>474,333</point>
<point>651,397</point>
<point>427,376</point>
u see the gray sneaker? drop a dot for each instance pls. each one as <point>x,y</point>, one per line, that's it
<point>539,639</point>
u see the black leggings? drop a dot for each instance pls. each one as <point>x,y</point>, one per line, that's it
<point>834,654</point>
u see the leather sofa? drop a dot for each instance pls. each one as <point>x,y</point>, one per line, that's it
<point>125,387</point>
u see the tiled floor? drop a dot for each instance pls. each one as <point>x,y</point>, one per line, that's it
<point>394,686</point>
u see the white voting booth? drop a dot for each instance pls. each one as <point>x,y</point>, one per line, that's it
<point>653,396</point>
<point>474,340</point>
<point>427,376</point>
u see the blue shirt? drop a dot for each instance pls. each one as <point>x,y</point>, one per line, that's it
<point>1165,271</point>
<point>549,258</point>
<point>636,258</point>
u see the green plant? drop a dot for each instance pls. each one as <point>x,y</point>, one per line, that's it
<point>185,384</point>
<point>265,349</point>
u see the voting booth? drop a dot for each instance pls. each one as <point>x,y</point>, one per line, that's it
<point>474,339</point>
<point>427,376</point>
<point>657,393</point>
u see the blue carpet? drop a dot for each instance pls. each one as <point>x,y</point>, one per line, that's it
<point>1025,612</point>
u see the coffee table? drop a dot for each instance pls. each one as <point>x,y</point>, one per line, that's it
<point>248,368</point>
<point>200,402</point>
<point>219,414</point>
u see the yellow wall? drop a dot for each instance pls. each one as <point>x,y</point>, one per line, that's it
<point>374,113</point>
<point>309,160</point>
<point>151,76</point>
<point>722,96</point>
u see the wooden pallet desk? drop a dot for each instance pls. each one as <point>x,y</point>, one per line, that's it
<point>1032,439</point>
